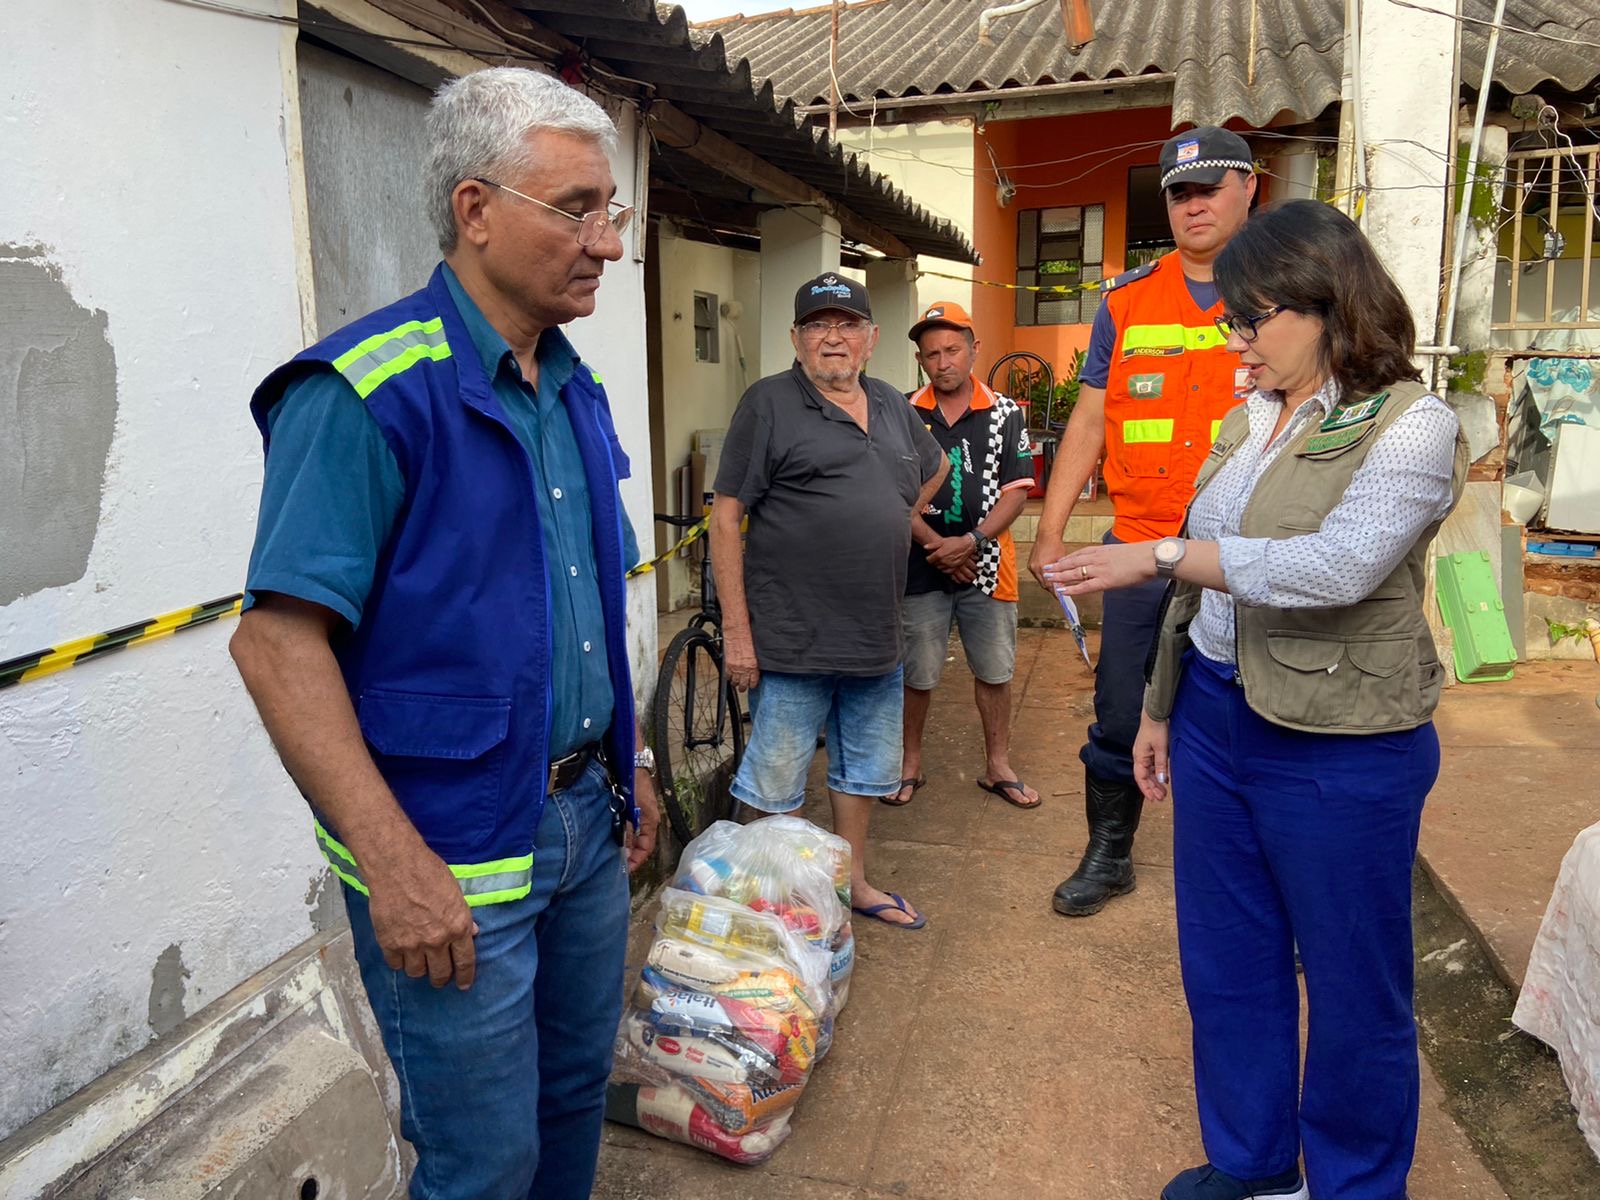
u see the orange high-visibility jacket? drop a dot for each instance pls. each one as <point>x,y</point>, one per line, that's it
<point>1170,383</point>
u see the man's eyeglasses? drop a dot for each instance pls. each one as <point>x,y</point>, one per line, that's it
<point>1247,325</point>
<point>592,226</point>
<point>816,331</point>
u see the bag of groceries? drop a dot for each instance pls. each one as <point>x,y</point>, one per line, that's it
<point>735,1004</point>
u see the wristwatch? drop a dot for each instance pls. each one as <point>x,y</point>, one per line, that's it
<point>644,760</point>
<point>1169,553</point>
<point>980,540</point>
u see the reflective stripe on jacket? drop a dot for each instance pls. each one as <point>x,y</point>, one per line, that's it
<point>449,670</point>
<point>1171,381</point>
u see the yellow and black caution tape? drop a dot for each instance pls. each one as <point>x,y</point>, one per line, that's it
<point>40,663</point>
<point>1060,289</point>
<point>27,667</point>
<point>694,532</point>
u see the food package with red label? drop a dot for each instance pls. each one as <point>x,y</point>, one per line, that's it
<point>677,1114</point>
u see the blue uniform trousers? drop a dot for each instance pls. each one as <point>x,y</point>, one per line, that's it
<point>1127,627</point>
<point>1282,837</point>
<point>502,1086</point>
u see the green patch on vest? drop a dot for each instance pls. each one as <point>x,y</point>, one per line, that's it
<point>1321,443</point>
<point>1354,414</point>
<point>1146,387</point>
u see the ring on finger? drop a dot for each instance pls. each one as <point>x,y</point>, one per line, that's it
<point>1085,571</point>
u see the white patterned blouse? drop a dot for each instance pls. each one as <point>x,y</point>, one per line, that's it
<point>1401,488</point>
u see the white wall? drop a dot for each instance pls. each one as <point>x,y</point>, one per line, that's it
<point>701,395</point>
<point>933,164</point>
<point>613,342</point>
<point>155,853</point>
<point>1408,126</point>
<point>143,808</point>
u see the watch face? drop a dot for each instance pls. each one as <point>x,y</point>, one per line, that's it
<point>1169,551</point>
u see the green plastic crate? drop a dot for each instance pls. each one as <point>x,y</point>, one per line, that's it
<point>1470,603</point>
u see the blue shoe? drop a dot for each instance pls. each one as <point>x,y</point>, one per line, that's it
<point>1208,1183</point>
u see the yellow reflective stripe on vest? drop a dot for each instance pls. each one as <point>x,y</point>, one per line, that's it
<point>1169,339</point>
<point>385,355</point>
<point>482,883</point>
<point>1148,430</point>
<point>1216,428</point>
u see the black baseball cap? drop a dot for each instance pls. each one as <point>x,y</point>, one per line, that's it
<point>830,290</point>
<point>1203,156</point>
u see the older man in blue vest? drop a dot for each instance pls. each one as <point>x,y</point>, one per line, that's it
<point>436,641</point>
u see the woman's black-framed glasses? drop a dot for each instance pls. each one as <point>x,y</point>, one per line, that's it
<point>1247,325</point>
<point>591,225</point>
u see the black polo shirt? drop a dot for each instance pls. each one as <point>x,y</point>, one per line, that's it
<point>830,521</point>
<point>989,454</point>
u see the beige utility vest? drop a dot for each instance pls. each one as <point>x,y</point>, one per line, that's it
<point>1368,667</point>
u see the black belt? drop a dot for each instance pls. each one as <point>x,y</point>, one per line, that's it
<point>565,772</point>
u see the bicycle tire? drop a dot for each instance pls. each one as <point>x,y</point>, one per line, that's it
<point>698,744</point>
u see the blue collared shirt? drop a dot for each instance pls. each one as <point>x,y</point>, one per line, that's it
<point>332,492</point>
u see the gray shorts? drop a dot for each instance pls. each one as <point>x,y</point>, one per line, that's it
<point>988,634</point>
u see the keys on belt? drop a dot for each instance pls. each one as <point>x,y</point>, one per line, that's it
<point>565,772</point>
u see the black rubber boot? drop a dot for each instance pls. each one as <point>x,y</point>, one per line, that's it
<point>1106,869</point>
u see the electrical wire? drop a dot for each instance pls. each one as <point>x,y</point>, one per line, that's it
<point>1463,19</point>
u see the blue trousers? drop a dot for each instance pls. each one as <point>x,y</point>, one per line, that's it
<point>1279,838</point>
<point>1127,627</point>
<point>502,1087</point>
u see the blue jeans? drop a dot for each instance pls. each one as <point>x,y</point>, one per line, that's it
<point>1283,838</point>
<point>864,719</point>
<point>1127,627</point>
<point>502,1086</point>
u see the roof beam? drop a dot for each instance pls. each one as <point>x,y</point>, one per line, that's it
<point>707,146</point>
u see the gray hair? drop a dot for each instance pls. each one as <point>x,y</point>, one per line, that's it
<point>477,127</point>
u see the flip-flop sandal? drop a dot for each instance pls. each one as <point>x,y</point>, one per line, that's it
<point>894,801</point>
<point>1004,789</point>
<point>876,911</point>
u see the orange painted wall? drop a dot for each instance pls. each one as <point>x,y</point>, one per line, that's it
<point>1101,147</point>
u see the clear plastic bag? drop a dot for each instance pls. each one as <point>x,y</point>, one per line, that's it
<point>729,995</point>
<point>781,865</point>
<point>736,1004</point>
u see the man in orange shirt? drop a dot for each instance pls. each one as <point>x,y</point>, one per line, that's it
<point>1155,384</point>
<point>962,571</point>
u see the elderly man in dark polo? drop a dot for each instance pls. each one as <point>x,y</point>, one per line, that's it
<point>829,464</point>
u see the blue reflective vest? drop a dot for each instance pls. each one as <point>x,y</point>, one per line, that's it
<point>449,670</point>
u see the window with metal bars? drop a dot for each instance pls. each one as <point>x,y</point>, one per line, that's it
<point>1059,248</point>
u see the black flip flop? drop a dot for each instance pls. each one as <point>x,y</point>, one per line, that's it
<point>894,801</point>
<point>1004,789</point>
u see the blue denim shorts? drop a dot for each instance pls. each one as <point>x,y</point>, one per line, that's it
<point>863,720</point>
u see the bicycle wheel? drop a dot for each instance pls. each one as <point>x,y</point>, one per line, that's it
<point>698,732</point>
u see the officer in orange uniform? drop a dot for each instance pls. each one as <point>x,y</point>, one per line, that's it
<point>1155,384</point>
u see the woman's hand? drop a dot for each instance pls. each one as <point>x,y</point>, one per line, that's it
<point>1150,768</point>
<point>1100,568</point>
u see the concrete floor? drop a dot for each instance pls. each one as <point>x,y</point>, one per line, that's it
<point>1005,1051</point>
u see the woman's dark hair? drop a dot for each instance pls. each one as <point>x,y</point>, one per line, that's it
<point>1310,257</point>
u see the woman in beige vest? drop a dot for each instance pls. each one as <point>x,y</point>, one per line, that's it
<point>1289,700</point>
